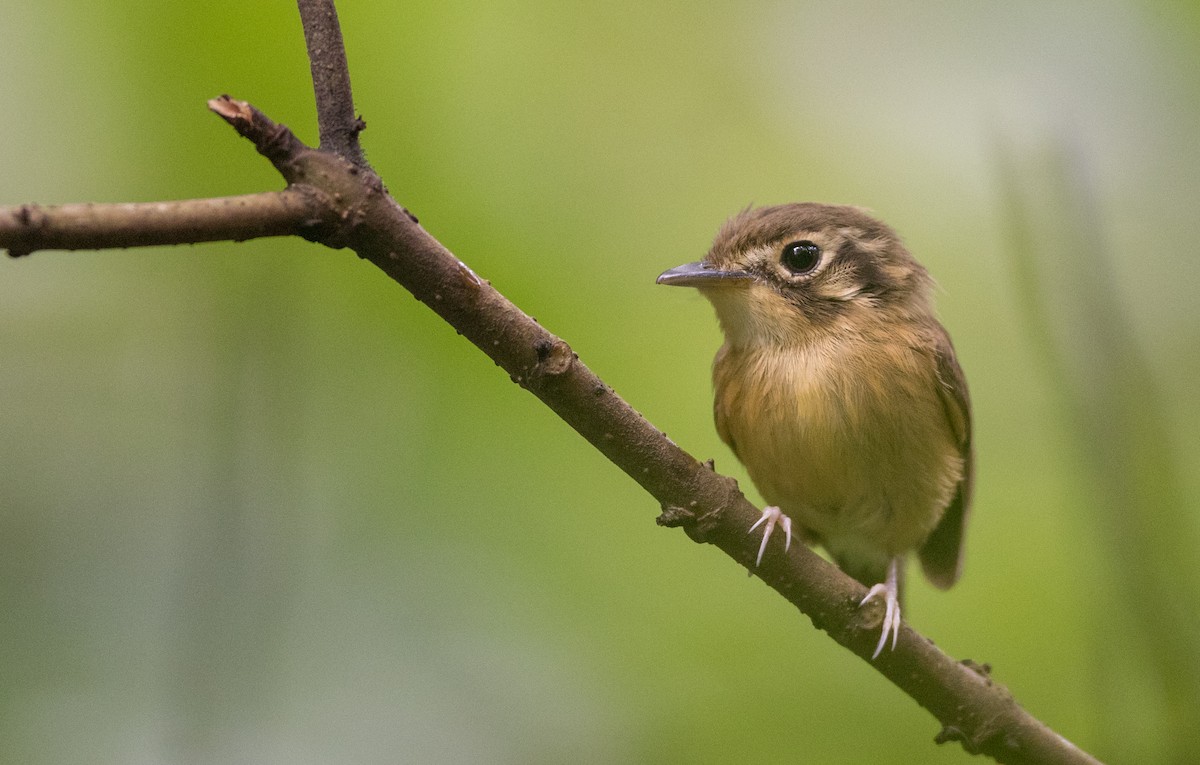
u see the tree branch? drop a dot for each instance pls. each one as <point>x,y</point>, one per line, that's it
<point>301,210</point>
<point>973,709</point>
<point>339,126</point>
<point>361,215</point>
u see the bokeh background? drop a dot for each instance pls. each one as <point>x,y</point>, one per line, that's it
<point>259,505</point>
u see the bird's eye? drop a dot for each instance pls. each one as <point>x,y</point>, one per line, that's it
<point>800,257</point>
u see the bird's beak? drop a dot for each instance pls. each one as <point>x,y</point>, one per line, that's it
<point>699,274</point>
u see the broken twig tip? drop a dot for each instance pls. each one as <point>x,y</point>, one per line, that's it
<point>230,109</point>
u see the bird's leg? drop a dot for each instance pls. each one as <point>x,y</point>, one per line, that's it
<point>772,516</point>
<point>891,617</point>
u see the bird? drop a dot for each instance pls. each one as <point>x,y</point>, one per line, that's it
<point>840,392</point>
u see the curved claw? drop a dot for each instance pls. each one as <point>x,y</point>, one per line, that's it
<point>772,516</point>
<point>891,616</point>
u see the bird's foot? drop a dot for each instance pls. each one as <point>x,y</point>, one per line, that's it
<point>891,617</point>
<point>772,516</point>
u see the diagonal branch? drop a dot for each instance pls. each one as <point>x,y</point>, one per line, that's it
<point>972,708</point>
<point>358,213</point>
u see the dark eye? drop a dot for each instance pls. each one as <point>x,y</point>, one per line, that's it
<point>800,257</point>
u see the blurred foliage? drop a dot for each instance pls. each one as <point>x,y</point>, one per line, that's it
<point>257,504</point>
<point>1128,475</point>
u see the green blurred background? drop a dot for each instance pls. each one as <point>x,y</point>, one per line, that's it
<point>259,505</point>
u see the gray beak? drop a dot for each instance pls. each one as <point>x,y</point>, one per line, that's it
<point>699,275</point>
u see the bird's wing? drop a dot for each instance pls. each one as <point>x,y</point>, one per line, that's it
<point>941,554</point>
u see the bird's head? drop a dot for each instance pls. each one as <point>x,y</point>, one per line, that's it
<point>793,273</point>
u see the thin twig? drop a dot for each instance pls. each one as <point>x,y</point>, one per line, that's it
<point>27,228</point>
<point>339,125</point>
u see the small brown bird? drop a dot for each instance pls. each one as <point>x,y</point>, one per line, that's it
<point>840,392</point>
